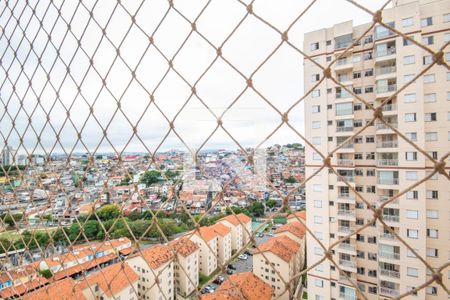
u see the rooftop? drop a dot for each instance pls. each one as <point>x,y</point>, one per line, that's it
<point>157,256</point>
<point>220,229</point>
<point>183,246</point>
<point>296,228</point>
<point>238,219</point>
<point>62,289</point>
<point>282,246</point>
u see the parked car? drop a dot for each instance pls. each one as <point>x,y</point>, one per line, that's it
<point>231,267</point>
<point>229,271</point>
<point>248,253</point>
<point>243,257</point>
<point>270,234</point>
<point>219,280</point>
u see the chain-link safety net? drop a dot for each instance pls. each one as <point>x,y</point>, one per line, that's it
<point>90,224</point>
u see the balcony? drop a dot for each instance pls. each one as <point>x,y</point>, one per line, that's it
<point>391,218</point>
<point>346,212</point>
<point>390,273</point>
<point>345,246</point>
<point>345,230</point>
<point>385,52</point>
<point>383,199</point>
<point>344,129</point>
<point>343,94</point>
<point>387,236</point>
<point>345,162</point>
<point>385,70</point>
<point>389,107</point>
<point>381,126</point>
<point>345,198</point>
<point>346,296</point>
<point>344,78</point>
<point>347,264</point>
<point>343,64</point>
<point>387,162</point>
<point>389,255</point>
<point>388,181</point>
<point>389,291</point>
<point>387,144</point>
<point>386,89</point>
<point>344,178</point>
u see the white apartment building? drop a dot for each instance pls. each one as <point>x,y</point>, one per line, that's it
<point>186,266</point>
<point>378,163</point>
<point>206,239</point>
<point>152,263</point>
<point>224,242</point>
<point>241,228</point>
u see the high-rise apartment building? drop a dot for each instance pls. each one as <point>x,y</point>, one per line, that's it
<point>377,162</point>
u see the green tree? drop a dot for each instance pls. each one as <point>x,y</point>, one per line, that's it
<point>171,174</point>
<point>291,179</point>
<point>125,181</point>
<point>73,232</point>
<point>108,212</point>
<point>139,227</point>
<point>256,209</point>
<point>91,229</point>
<point>237,210</point>
<point>11,219</point>
<point>46,273</point>
<point>150,177</point>
<point>271,203</point>
<point>134,215</point>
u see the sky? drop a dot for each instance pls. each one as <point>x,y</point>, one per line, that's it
<point>250,120</point>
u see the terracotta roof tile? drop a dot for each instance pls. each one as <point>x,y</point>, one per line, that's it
<point>84,266</point>
<point>296,228</point>
<point>157,256</point>
<point>282,246</point>
<point>220,229</point>
<point>242,285</point>
<point>21,289</point>
<point>62,289</point>
<point>206,233</point>
<point>183,246</point>
<point>111,280</point>
<point>299,214</point>
<point>238,219</point>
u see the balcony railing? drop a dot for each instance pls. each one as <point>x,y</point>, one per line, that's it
<point>389,255</point>
<point>346,246</point>
<point>345,196</point>
<point>345,162</point>
<point>383,199</point>
<point>385,52</point>
<point>347,263</point>
<point>343,61</point>
<point>391,218</point>
<point>389,107</point>
<point>390,273</point>
<point>385,70</point>
<point>387,162</point>
<point>346,178</point>
<point>387,144</point>
<point>344,129</point>
<point>346,296</point>
<point>346,212</point>
<point>345,229</point>
<point>347,146</point>
<point>387,236</point>
<point>343,94</point>
<point>389,291</point>
<point>387,88</point>
<point>344,78</point>
<point>383,126</point>
<point>388,181</point>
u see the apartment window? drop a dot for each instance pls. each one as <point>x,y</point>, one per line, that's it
<point>410,155</point>
<point>411,175</point>
<point>432,252</point>
<point>318,203</point>
<point>429,78</point>
<point>412,272</point>
<point>328,42</point>
<point>428,40</point>
<point>432,194</point>
<point>412,233</point>
<point>446,37</point>
<point>426,22</point>
<point>358,140</point>
<point>431,290</point>
<point>356,58</point>
<point>368,72</point>
<point>314,46</point>
<point>431,136</point>
<point>315,109</point>
<point>368,89</point>
<point>315,77</point>
<point>357,123</point>
<point>360,254</point>
<point>357,90</point>
<point>412,214</point>
<point>409,98</point>
<point>408,77</point>
<point>316,124</point>
<point>371,189</point>
<point>315,93</point>
<point>372,239</point>
<point>319,297</point>
<point>316,140</point>
<point>372,289</point>
<point>356,75</point>
<point>318,282</point>
<point>318,220</point>
<point>367,55</point>
<point>412,195</point>
<point>407,42</point>
<point>357,106</point>
<point>446,18</point>
<point>430,117</point>
<point>427,59</point>
<point>329,123</point>
<point>358,156</point>
<point>318,251</point>
<point>370,155</point>
<point>407,22</point>
<point>370,172</point>
<point>412,136</point>
<point>344,108</point>
<point>359,172</point>
<point>371,256</point>
<point>432,233</point>
<point>410,117</point>
<point>430,97</point>
<point>409,253</point>
<point>408,60</point>
<point>316,156</point>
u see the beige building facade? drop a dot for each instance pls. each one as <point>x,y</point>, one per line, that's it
<point>206,240</point>
<point>378,163</point>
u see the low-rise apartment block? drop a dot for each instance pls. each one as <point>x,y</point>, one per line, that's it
<point>241,229</point>
<point>224,237</point>
<point>206,239</point>
<point>297,232</point>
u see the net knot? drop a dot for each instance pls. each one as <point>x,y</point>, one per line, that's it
<point>440,167</point>
<point>438,57</point>
<point>327,73</point>
<point>285,117</point>
<point>378,113</point>
<point>378,16</point>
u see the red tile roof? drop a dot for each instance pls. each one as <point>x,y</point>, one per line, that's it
<point>296,228</point>
<point>241,286</point>
<point>282,246</point>
<point>84,266</point>
<point>299,214</point>
<point>220,229</point>
<point>183,246</point>
<point>111,280</point>
<point>206,233</point>
<point>62,289</point>
<point>238,219</point>
<point>23,288</point>
<point>156,256</point>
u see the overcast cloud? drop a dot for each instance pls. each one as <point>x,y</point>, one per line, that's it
<point>250,120</point>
